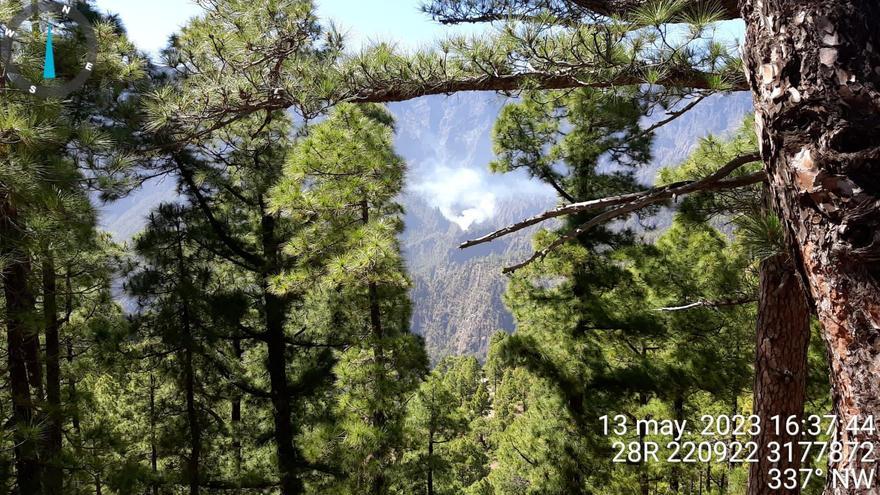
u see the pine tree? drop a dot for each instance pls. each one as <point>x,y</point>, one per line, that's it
<point>556,45</point>
<point>171,284</point>
<point>588,316</point>
<point>90,324</point>
<point>342,181</point>
<point>559,325</point>
<point>271,348</point>
<point>447,444</point>
<point>228,176</point>
<point>44,147</point>
<point>783,326</point>
<point>569,44</point>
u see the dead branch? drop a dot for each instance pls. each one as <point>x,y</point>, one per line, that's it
<point>626,209</point>
<point>638,200</point>
<point>725,303</point>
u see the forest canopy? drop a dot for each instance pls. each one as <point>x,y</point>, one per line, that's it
<point>255,336</point>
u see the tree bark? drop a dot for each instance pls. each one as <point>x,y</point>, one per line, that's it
<point>33,355</point>
<point>19,307</point>
<point>72,397</point>
<point>282,410</point>
<point>678,407</point>
<point>783,337</point>
<point>73,400</point>
<point>195,431</point>
<point>53,472</point>
<point>431,461</point>
<point>812,71</point>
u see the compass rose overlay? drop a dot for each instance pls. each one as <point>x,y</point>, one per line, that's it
<point>49,87</point>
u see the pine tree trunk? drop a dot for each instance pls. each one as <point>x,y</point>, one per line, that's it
<point>236,416</point>
<point>32,352</point>
<point>812,68</point>
<point>783,337</point>
<point>154,451</point>
<point>19,307</point>
<point>72,397</point>
<point>678,407</point>
<point>282,410</point>
<point>195,430</point>
<point>379,419</point>
<point>54,474</point>
<point>644,487</point>
<point>71,381</point>
<point>431,462</point>
<point>276,310</point>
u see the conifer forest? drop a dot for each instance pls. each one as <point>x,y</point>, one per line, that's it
<point>707,326</point>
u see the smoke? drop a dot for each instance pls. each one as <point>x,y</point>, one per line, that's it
<point>447,144</point>
<point>468,196</point>
<point>462,195</point>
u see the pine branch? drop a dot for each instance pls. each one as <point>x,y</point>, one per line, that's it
<point>398,89</point>
<point>468,11</point>
<point>672,115</point>
<point>730,8</point>
<point>385,93</point>
<point>570,11</point>
<point>233,244</point>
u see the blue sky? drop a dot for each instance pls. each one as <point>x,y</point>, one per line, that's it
<point>150,22</point>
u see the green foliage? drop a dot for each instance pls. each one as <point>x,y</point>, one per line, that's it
<point>446,430</point>
<point>590,333</point>
<point>763,235</point>
<point>561,138</point>
<point>53,158</point>
<point>341,182</point>
<point>268,55</point>
<point>757,229</point>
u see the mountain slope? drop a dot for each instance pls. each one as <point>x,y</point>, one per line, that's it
<point>457,294</point>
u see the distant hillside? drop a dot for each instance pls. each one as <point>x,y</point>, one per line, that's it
<point>458,293</point>
<point>717,115</point>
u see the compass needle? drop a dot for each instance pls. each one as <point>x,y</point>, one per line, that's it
<point>49,66</point>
